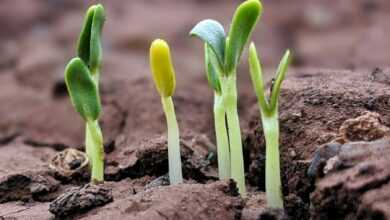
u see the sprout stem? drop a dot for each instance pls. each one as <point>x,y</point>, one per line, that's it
<point>95,150</point>
<point>273,183</point>
<point>270,122</point>
<point>175,170</point>
<point>229,91</point>
<point>222,137</point>
<point>96,78</point>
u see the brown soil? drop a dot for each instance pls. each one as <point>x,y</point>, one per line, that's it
<point>357,188</point>
<point>37,120</point>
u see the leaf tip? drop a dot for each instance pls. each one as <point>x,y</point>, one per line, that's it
<point>288,56</point>
<point>99,10</point>
<point>254,4</point>
<point>73,63</point>
<point>159,44</point>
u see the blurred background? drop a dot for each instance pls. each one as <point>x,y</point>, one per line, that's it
<point>38,37</point>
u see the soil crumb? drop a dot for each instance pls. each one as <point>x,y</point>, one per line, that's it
<point>27,186</point>
<point>80,199</point>
<point>367,127</point>
<point>273,214</point>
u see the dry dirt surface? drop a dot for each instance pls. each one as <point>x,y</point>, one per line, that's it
<point>331,168</point>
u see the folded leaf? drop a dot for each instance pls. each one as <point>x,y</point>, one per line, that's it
<point>95,57</point>
<point>211,69</point>
<point>212,33</point>
<point>257,79</point>
<point>280,75</point>
<point>83,44</point>
<point>244,21</point>
<point>82,90</point>
<point>162,68</point>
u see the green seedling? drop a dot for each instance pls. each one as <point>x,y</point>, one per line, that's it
<point>224,55</point>
<point>82,81</point>
<point>165,82</point>
<point>219,117</point>
<point>270,122</point>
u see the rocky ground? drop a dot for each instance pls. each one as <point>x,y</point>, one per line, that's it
<point>334,112</point>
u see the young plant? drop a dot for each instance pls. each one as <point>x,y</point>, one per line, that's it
<point>219,117</point>
<point>165,81</point>
<point>82,81</point>
<point>270,122</point>
<point>224,55</point>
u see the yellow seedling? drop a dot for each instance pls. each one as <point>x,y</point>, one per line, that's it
<point>162,68</point>
<point>164,79</point>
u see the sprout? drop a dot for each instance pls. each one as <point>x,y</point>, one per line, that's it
<point>165,81</point>
<point>270,121</point>
<point>219,116</point>
<point>224,55</point>
<point>82,81</point>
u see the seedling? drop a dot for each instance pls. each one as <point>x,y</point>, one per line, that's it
<point>165,82</point>
<point>270,122</point>
<point>219,117</point>
<point>224,55</point>
<point>82,81</point>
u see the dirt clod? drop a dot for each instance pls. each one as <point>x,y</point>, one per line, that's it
<point>80,199</point>
<point>367,127</point>
<point>273,214</point>
<point>348,194</point>
<point>27,186</point>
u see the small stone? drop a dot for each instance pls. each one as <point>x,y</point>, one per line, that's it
<point>293,153</point>
<point>321,156</point>
<point>331,164</point>
<point>160,181</point>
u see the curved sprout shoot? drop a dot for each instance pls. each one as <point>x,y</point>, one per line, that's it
<point>165,82</point>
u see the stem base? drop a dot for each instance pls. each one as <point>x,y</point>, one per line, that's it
<point>174,158</point>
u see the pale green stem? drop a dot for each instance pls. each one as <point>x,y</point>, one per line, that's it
<point>229,91</point>
<point>95,150</point>
<point>222,138</point>
<point>174,158</point>
<point>96,76</point>
<point>270,121</point>
<point>273,184</point>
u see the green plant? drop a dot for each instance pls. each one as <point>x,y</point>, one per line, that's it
<point>219,118</point>
<point>82,81</point>
<point>270,122</point>
<point>224,55</point>
<point>165,81</point>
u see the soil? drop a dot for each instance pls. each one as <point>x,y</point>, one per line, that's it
<point>333,162</point>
